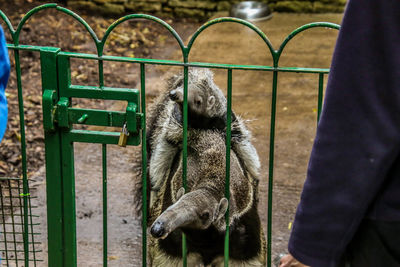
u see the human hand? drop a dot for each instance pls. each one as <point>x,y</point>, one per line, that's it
<point>289,261</point>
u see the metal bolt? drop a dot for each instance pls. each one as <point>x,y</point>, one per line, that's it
<point>83,118</point>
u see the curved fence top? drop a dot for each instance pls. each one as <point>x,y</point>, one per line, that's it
<point>185,49</point>
<point>234,20</point>
<point>327,25</point>
<point>147,17</point>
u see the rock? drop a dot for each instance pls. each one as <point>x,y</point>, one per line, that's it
<point>167,9</point>
<point>143,6</point>
<point>320,7</point>
<point>334,2</point>
<point>189,13</point>
<point>156,1</point>
<point>293,6</point>
<point>112,9</point>
<point>110,1</point>
<point>106,8</point>
<point>223,6</point>
<point>91,6</point>
<point>193,4</point>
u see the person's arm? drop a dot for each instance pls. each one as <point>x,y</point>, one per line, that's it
<point>358,137</point>
<point>4,73</point>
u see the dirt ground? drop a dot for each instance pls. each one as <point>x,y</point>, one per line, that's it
<point>295,129</point>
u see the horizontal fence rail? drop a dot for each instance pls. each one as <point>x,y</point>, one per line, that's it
<point>56,84</point>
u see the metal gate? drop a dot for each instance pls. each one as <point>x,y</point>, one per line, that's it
<point>59,118</point>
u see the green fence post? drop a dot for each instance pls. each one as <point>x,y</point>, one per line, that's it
<point>271,166</point>
<point>68,171</point>
<point>48,59</point>
<point>23,159</point>
<point>144,165</point>
<point>228,164</point>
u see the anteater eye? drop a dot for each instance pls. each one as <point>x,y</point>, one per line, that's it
<point>205,215</point>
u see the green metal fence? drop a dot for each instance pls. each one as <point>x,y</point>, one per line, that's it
<point>59,118</point>
<point>17,241</point>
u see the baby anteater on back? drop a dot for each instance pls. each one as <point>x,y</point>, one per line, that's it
<point>206,102</point>
<point>207,109</point>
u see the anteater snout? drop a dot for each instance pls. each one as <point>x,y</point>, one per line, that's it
<point>157,230</point>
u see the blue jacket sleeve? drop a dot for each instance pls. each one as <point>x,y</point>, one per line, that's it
<point>4,73</point>
<point>358,137</point>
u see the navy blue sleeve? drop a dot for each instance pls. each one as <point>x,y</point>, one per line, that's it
<point>4,73</point>
<point>358,137</point>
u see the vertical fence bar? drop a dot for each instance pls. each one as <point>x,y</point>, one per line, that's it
<point>32,234</point>
<point>4,224</point>
<point>144,165</point>
<point>20,206</point>
<point>69,205</point>
<point>105,235</point>
<point>68,172</point>
<point>104,159</point>
<point>21,211</point>
<point>320,94</point>
<point>23,155</point>
<point>271,166</point>
<point>228,164</point>
<point>13,222</point>
<point>52,142</point>
<point>101,74</point>
<point>184,152</point>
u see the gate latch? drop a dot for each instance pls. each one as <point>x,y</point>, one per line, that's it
<point>61,114</point>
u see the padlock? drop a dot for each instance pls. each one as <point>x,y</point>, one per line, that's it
<point>123,137</point>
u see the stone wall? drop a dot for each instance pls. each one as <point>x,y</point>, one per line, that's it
<point>200,9</point>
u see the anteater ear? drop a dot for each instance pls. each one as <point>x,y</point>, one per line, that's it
<point>210,102</point>
<point>180,193</point>
<point>222,207</point>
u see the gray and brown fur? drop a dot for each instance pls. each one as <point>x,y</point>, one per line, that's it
<point>200,212</point>
<point>206,110</point>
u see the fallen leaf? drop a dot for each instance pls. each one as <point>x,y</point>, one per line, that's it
<point>112,258</point>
